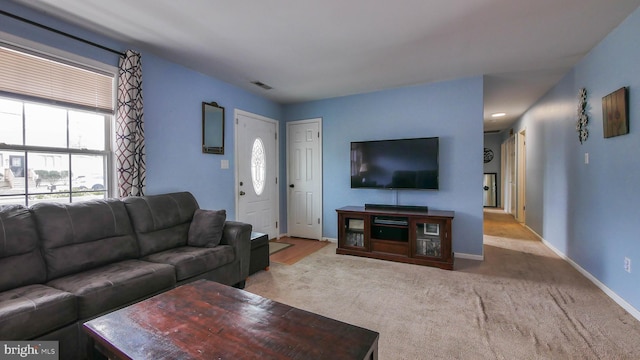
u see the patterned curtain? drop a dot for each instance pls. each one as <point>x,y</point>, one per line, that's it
<point>130,165</point>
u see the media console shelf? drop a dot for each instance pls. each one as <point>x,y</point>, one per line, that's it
<point>413,236</point>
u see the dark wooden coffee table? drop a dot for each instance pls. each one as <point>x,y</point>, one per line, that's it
<point>208,320</point>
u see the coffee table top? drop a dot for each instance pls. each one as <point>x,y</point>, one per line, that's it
<point>208,320</point>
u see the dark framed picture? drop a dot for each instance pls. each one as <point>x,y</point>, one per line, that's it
<point>615,113</point>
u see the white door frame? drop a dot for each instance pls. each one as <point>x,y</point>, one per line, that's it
<point>503,175</point>
<point>509,174</point>
<point>521,177</point>
<point>276,198</point>
<point>319,178</point>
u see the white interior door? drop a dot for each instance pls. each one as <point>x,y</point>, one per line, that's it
<point>304,172</point>
<point>257,172</point>
<point>522,177</point>
<point>503,175</point>
<point>510,205</point>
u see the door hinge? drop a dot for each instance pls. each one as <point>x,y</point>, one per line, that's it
<point>318,134</point>
<point>276,224</point>
<point>318,221</point>
<point>237,121</point>
<point>276,134</point>
<point>276,180</point>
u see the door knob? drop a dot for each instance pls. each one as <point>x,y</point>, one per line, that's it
<point>242,193</point>
<point>291,186</point>
<point>486,188</point>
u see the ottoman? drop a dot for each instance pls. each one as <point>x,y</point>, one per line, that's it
<point>259,252</point>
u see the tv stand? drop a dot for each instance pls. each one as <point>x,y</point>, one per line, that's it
<point>408,234</point>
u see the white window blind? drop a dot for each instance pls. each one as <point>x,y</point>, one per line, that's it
<point>45,80</point>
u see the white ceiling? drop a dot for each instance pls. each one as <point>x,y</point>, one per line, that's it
<point>315,49</point>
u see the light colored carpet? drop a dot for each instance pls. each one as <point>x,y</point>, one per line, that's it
<point>274,247</point>
<point>522,302</point>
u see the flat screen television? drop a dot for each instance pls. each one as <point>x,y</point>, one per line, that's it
<point>395,164</point>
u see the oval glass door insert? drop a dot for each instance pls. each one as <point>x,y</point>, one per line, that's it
<point>258,166</point>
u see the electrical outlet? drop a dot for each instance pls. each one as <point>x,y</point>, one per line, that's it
<point>627,264</point>
<point>586,158</point>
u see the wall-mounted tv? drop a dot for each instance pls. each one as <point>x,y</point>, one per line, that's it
<point>395,164</point>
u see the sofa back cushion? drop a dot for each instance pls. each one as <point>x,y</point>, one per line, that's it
<point>161,222</point>
<point>21,262</point>
<point>85,235</point>
<point>206,228</point>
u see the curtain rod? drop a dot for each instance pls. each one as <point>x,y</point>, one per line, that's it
<point>61,33</point>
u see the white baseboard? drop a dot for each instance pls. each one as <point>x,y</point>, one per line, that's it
<point>469,256</point>
<point>615,297</point>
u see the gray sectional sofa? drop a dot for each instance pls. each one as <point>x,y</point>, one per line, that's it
<point>63,264</point>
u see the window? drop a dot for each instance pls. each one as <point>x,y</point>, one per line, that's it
<point>258,166</point>
<point>52,147</point>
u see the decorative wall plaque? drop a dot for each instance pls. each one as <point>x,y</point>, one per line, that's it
<point>615,119</point>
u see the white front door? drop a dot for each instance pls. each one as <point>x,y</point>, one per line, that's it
<point>304,172</point>
<point>257,172</point>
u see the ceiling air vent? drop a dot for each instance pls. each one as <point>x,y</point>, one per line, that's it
<point>262,85</point>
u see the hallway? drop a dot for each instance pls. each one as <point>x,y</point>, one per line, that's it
<point>498,223</point>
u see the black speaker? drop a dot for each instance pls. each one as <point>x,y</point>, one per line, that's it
<point>396,207</point>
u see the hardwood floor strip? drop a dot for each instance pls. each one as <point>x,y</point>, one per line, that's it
<point>293,254</point>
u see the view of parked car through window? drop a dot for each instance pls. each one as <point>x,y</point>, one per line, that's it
<point>50,153</point>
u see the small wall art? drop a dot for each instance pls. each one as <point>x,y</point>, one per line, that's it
<point>615,110</point>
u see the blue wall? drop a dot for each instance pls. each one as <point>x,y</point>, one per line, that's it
<point>173,95</point>
<point>590,212</point>
<point>450,110</point>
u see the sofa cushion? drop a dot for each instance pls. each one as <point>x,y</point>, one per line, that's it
<point>192,261</point>
<point>109,287</point>
<point>206,228</point>
<point>85,235</point>
<point>24,307</point>
<point>161,222</point>
<point>21,262</point>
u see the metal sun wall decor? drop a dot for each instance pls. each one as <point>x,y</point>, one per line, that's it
<point>488,155</point>
<point>583,118</point>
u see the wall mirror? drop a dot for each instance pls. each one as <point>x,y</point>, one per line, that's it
<point>490,190</point>
<point>212,128</point>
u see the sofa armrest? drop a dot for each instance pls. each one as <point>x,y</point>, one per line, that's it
<point>238,235</point>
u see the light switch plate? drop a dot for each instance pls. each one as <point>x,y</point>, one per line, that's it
<point>224,164</point>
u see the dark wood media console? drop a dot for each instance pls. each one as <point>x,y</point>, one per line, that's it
<point>421,237</point>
